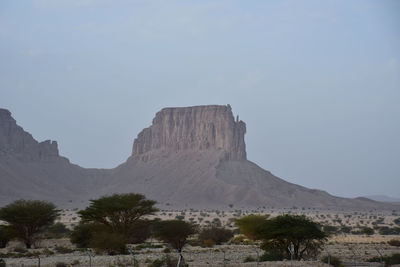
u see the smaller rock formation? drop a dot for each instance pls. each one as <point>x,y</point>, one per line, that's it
<point>193,128</point>
<point>18,143</point>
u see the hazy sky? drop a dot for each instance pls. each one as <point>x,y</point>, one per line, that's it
<point>317,82</point>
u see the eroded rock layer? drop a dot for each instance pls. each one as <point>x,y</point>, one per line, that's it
<point>193,128</point>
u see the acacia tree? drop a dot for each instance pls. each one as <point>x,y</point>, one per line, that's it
<point>120,214</point>
<point>28,218</point>
<point>174,232</point>
<point>297,232</point>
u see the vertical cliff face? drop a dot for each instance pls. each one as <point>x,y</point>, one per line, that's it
<point>194,128</point>
<point>16,142</point>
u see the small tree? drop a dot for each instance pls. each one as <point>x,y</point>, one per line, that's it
<point>173,232</point>
<point>297,232</point>
<point>28,218</point>
<point>248,225</point>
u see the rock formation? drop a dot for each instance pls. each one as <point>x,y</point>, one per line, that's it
<point>193,128</point>
<point>18,143</point>
<point>193,157</point>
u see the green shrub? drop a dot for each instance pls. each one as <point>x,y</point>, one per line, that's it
<point>2,263</point>
<point>345,229</point>
<point>166,261</point>
<point>330,230</point>
<point>82,234</point>
<point>334,261</point>
<point>63,250</point>
<point>388,260</point>
<point>272,255</point>
<point>394,242</point>
<point>57,230</point>
<point>208,243</point>
<point>20,250</point>
<point>249,259</point>
<point>385,230</point>
<point>392,260</point>
<point>216,234</point>
<point>139,231</point>
<point>367,231</point>
<point>111,243</point>
<point>5,235</point>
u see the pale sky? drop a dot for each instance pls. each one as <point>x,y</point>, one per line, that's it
<point>317,82</point>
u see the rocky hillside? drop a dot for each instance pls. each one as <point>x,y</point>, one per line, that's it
<point>192,157</point>
<point>34,170</point>
<point>15,142</point>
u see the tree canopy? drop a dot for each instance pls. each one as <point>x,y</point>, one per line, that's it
<point>28,218</point>
<point>119,217</point>
<point>297,232</point>
<point>119,212</point>
<point>248,225</point>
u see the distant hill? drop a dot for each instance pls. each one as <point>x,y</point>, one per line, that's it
<point>191,157</point>
<point>383,198</point>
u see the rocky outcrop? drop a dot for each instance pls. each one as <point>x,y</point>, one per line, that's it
<point>193,128</point>
<point>18,143</point>
<point>192,157</point>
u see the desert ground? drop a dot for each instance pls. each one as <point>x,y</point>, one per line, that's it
<point>353,248</point>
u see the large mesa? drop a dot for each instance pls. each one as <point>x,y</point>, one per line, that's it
<point>197,128</point>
